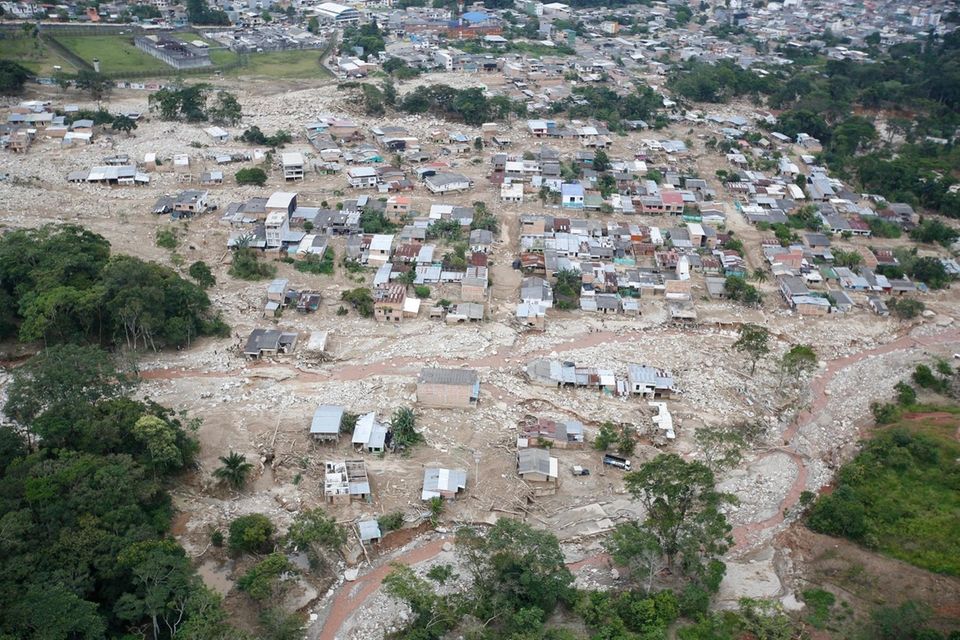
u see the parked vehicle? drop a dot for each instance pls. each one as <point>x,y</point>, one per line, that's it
<point>580,471</point>
<point>616,461</point>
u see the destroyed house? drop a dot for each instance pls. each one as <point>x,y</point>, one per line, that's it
<point>345,480</point>
<point>543,432</point>
<point>269,342</point>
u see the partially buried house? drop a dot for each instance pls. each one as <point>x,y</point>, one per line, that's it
<point>443,483</point>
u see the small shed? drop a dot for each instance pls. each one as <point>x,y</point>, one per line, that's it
<point>325,426</point>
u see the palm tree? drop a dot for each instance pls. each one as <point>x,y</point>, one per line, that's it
<point>234,471</point>
<point>760,275</point>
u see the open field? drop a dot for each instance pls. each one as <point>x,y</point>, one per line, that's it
<point>35,55</point>
<point>117,54</point>
<point>303,63</point>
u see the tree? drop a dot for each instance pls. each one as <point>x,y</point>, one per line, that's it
<point>797,361</point>
<point>313,530</point>
<point>433,614</point>
<point>738,289</point>
<point>96,83</point>
<point>606,435</point>
<point>360,299</point>
<point>246,265</point>
<point>683,516</point>
<point>234,470</point>
<point>164,583</point>
<point>12,77</point>
<point>123,123</point>
<point>200,272</point>
<point>515,566</point>
<point>251,175</point>
<point>225,109</point>
<point>160,439</point>
<point>313,25</point>
<point>906,308</point>
<point>722,448</point>
<point>62,376</point>
<point>601,162</point>
<point>753,341</point>
<point>200,13</point>
<point>269,579</point>
<point>251,533</point>
<point>403,425</point>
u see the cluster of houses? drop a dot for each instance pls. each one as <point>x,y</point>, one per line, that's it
<point>33,119</point>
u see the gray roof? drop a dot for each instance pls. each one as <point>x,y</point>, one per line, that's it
<point>369,530</point>
<point>660,379</point>
<point>436,480</point>
<point>326,419</point>
<point>533,461</point>
<point>262,339</point>
<point>448,376</point>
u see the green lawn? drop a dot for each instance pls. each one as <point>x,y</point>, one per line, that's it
<point>901,494</point>
<point>35,55</point>
<point>303,63</point>
<point>116,53</point>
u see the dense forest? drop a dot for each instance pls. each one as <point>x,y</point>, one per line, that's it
<point>85,551</point>
<point>60,284</point>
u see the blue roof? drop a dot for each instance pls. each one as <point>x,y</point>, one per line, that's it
<point>476,16</point>
<point>571,189</point>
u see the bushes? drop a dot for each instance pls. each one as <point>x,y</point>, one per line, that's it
<point>313,263</point>
<point>251,534</point>
<point>247,266</point>
<point>252,175</point>
<point>739,290</point>
<point>254,135</point>
<point>166,238</point>
<point>360,299</point>
<point>200,272</point>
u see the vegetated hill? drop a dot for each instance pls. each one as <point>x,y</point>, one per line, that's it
<point>901,494</point>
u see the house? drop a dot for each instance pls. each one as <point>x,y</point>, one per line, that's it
<point>189,203</point>
<point>650,381</point>
<point>217,133</point>
<point>292,163</point>
<point>325,426</point>
<point>473,286</point>
<point>345,480</point>
<point>532,315</point>
<point>447,182</point>
<point>536,290</point>
<point>362,177</point>
<point>481,240</point>
<point>369,434</point>
<point>511,192</point>
<point>388,301</point>
<point>443,483</point>
<point>538,466</point>
<point>571,195</point>
<point>269,342</point>
<point>397,207</point>
<point>381,246</point>
<point>369,531</point>
<point>448,388</point>
<point>879,306</point>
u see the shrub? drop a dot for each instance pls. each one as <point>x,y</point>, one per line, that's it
<point>252,175</point>
<point>360,299</point>
<point>252,534</point>
<point>166,238</point>
<point>200,272</point>
<point>247,266</point>
<point>390,521</point>
<point>421,291</point>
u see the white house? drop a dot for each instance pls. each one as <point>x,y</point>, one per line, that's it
<point>447,182</point>
<point>362,177</point>
<point>511,192</point>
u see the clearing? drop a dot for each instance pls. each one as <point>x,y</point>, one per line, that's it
<point>117,54</point>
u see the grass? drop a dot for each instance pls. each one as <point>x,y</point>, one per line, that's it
<point>901,494</point>
<point>303,63</point>
<point>35,55</point>
<point>117,54</point>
